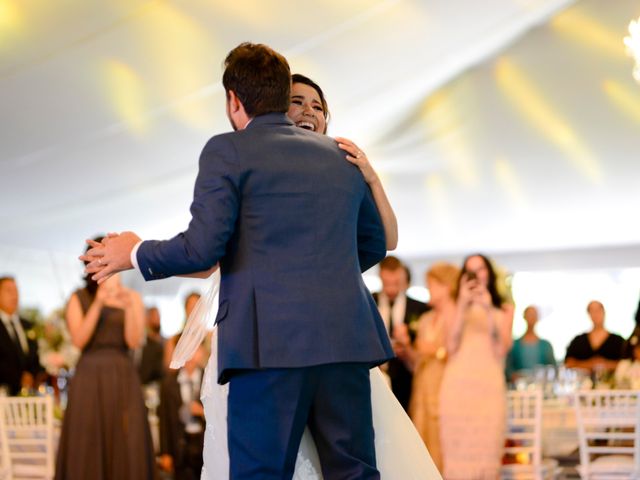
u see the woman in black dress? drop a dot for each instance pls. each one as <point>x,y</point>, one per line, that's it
<point>105,434</point>
<point>598,349</point>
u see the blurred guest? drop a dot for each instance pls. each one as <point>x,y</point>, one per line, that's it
<point>627,374</point>
<point>473,389</point>
<point>105,434</point>
<point>598,349</point>
<point>190,302</point>
<point>181,418</point>
<point>149,356</point>
<point>19,364</point>
<point>430,354</point>
<point>529,350</point>
<point>398,311</point>
<point>634,340</point>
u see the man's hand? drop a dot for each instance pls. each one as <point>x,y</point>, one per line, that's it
<point>197,410</point>
<point>27,381</point>
<point>165,463</point>
<point>111,256</point>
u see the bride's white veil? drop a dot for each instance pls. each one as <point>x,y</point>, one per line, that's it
<point>200,322</point>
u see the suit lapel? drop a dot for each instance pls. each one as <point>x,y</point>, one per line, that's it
<point>11,344</point>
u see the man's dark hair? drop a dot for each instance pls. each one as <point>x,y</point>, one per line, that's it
<point>391,263</point>
<point>6,278</point>
<point>260,77</point>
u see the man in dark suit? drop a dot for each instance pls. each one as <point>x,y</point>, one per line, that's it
<point>400,314</point>
<point>181,418</point>
<point>19,362</point>
<point>149,357</point>
<point>293,225</point>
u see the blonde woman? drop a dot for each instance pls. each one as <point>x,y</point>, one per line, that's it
<point>430,355</point>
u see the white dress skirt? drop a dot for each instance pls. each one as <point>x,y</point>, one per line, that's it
<point>400,452</point>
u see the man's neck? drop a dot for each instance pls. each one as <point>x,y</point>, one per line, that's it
<point>395,298</point>
<point>249,120</point>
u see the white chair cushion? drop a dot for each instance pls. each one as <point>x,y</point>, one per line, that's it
<point>612,465</point>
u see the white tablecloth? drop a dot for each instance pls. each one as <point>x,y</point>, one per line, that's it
<point>559,427</point>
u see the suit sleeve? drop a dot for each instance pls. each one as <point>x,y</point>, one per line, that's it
<point>34,367</point>
<point>372,245</point>
<point>9,371</point>
<point>214,212</point>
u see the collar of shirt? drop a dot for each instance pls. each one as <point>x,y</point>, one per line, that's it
<point>10,319</point>
<point>16,326</point>
<point>6,317</point>
<point>397,311</point>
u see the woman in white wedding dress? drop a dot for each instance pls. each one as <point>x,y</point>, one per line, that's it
<point>400,452</point>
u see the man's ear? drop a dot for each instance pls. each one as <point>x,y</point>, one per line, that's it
<point>234,102</point>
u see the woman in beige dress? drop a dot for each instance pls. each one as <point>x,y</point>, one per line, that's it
<point>473,389</point>
<point>430,355</point>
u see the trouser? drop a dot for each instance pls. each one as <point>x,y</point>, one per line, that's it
<point>268,410</point>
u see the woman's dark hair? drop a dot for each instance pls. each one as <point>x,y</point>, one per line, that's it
<point>91,285</point>
<point>492,287</point>
<point>260,77</point>
<point>298,78</point>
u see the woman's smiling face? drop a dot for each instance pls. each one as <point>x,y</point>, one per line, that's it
<point>306,109</point>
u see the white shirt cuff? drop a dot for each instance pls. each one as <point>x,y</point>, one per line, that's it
<point>134,256</point>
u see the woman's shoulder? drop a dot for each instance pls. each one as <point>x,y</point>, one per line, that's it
<point>426,322</point>
<point>544,343</point>
<point>500,312</point>
<point>616,337</point>
<point>581,337</point>
<point>81,295</point>
<point>427,316</point>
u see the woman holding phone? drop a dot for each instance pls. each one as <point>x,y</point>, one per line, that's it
<point>473,390</point>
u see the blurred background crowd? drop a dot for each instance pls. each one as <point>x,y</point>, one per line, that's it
<point>456,358</point>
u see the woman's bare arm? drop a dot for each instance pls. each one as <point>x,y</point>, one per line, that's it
<point>134,318</point>
<point>82,325</point>
<point>389,221</point>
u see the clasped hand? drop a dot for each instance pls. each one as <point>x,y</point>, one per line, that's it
<point>110,256</point>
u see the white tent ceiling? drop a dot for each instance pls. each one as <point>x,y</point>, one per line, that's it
<point>508,126</point>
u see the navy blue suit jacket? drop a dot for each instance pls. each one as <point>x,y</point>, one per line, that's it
<point>293,225</point>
